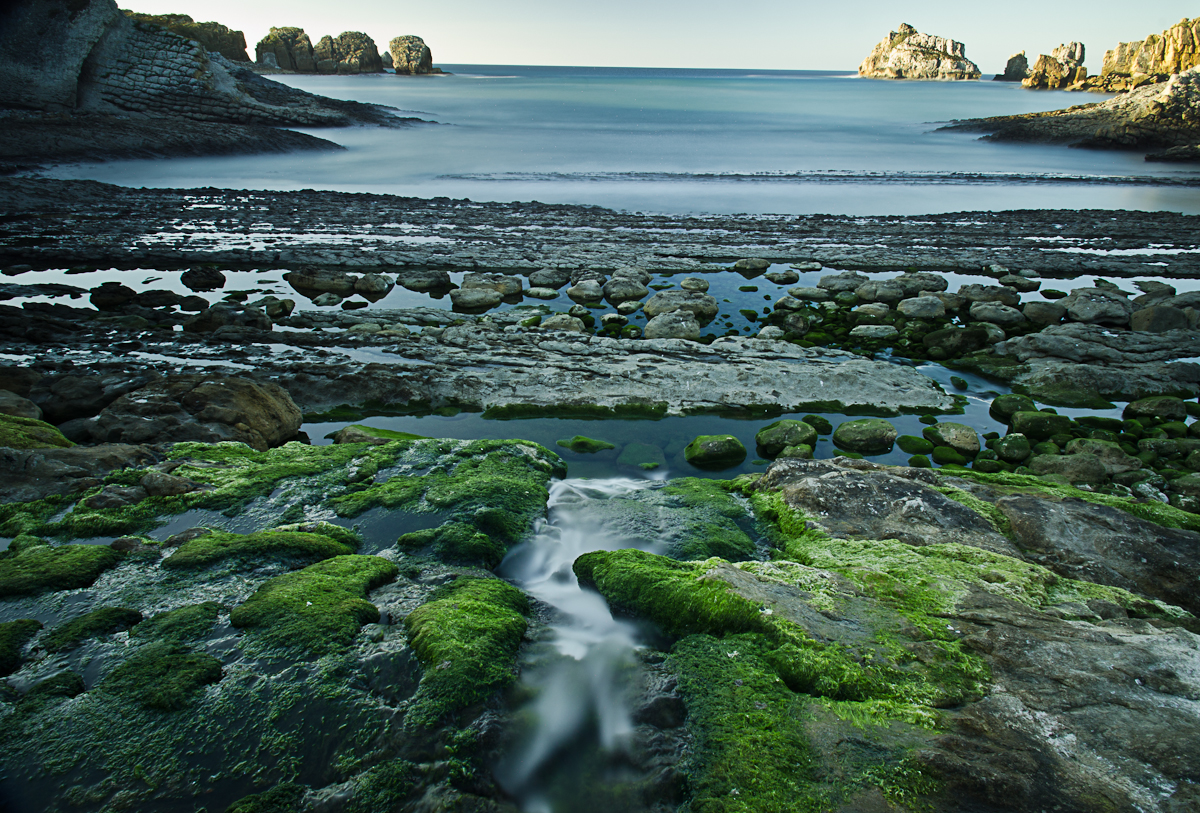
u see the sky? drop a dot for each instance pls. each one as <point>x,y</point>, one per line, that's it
<point>763,34</point>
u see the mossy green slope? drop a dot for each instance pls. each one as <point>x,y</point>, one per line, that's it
<point>317,610</point>
<point>467,639</point>
<point>29,433</point>
<point>253,548</point>
<point>179,625</point>
<point>103,621</point>
<point>42,568</point>
<point>163,676</point>
<point>13,637</point>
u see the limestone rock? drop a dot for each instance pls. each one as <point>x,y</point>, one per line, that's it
<point>1173,51</point>
<point>679,324</point>
<point>1098,306</point>
<point>1062,67</point>
<point>565,322</point>
<point>703,306</point>
<point>213,36</point>
<point>922,307</point>
<point>475,299</point>
<point>865,435</point>
<point>1016,70</point>
<point>425,280</point>
<point>908,54</point>
<point>410,55</point>
<point>201,408</point>
<point>350,52</point>
<point>1159,319</point>
<point>503,284</point>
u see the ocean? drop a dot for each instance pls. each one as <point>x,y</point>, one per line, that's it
<point>681,141</point>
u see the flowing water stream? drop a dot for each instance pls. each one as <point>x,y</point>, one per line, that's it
<point>584,679</point>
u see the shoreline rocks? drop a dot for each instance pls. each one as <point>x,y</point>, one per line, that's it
<point>909,54</point>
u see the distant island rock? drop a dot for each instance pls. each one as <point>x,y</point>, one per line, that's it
<point>410,55</point>
<point>1016,70</point>
<point>214,37</point>
<point>909,54</point>
<point>1061,68</point>
<point>351,52</point>
<point>288,49</point>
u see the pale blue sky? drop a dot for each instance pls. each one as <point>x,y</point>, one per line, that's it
<point>769,34</point>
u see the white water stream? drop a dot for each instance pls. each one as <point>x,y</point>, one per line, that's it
<point>583,691</point>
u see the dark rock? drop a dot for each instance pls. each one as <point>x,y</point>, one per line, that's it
<point>1158,319</point>
<point>1039,425</point>
<point>33,474</point>
<point>111,296</point>
<point>227,314</point>
<point>548,278</point>
<point>160,484</point>
<point>116,497</point>
<point>425,280</point>
<point>322,281</point>
<point>865,435</point>
<point>1044,313</point>
<point>1162,408</point>
<point>774,438</point>
<point>65,397</point>
<point>715,452</point>
<point>203,279</point>
<point>13,404</point>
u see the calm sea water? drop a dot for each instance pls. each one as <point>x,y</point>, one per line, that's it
<point>690,141</point>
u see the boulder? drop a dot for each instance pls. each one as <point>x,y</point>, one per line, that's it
<point>111,296</point>
<point>1014,448</point>
<point>922,307</point>
<point>586,291</point>
<point>322,280</point>
<point>1003,407</point>
<point>1071,468</point>
<point>34,474</point>
<point>475,299</point>
<point>15,405</point>
<point>503,284</point>
<point>65,397</point>
<point>564,322</point>
<point>702,306</point>
<point>1038,425</point>
<point>865,436</point>
<point>909,54</point>
<point>957,436</point>
<point>202,279</point>
<point>373,286</point>
<point>410,55</point>
<point>880,291</point>
<point>425,280</point>
<point>201,408</point>
<point>29,433</point>
<point>845,281</point>
<point>715,452</point>
<point>1159,319</point>
<point>990,293</point>
<point>1161,408</point>
<point>624,289</point>
<point>1110,455</point>
<point>996,314</point>
<point>161,484</point>
<point>954,341</point>
<point>1044,313</point>
<point>915,283</point>
<point>549,278</point>
<point>874,331</point>
<point>674,325</point>
<point>774,438</point>
<point>1098,306</point>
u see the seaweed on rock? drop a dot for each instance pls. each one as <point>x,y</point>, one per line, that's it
<point>95,624</point>
<point>13,637</point>
<point>253,548</point>
<point>43,568</point>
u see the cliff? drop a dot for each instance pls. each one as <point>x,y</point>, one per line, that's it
<point>1145,62</point>
<point>909,54</point>
<point>213,36</point>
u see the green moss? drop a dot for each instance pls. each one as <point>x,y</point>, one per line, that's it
<point>181,625</point>
<point>13,637</point>
<point>920,461</point>
<point>715,452</point>
<point>29,433</point>
<point>63,684</point>
<point>283,798</point>
<point>383,434</point>
<point>467,639</point>
<point>585,445</point>
<point>944,455</point>
<point>317,610</point>
<point>95,624</point>
<point>162,676</point>
<point>43,568</point>
<point>911,444</point>
<point>1159,513</point>
<point>383,787</point>
<point>457,543</point>
<point>256,548</point>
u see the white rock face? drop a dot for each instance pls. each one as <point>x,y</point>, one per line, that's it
<point>909,54</point>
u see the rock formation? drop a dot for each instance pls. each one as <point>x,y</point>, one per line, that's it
<point>290,49</point>
<point>410,55</point>
<point>1155,58</point>
<point>909,54</point>
<point>1016,70</point>
<point>213,36</point>
<point>1163,115</point>
<point>1061,68</point>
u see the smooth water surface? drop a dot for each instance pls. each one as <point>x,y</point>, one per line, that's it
<point>689,141</point>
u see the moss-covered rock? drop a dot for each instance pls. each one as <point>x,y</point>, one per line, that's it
<point>13,637</point>
<point>283,798</point>
<point>1039,426</point>
<point>252,549</point>
<point>920,461</point>
<point>1012,448</point>
<point>957,436</point>
<point>911,444</point>
<point>95,624</point>
<point>585,445</point>
<point>715,452</point>
<point>865,436</point>
<point>162,676</point>
<point>820,423</point>
<point>181,625</point>
<point>945,456</point>
<point>467,639</point>
<point>456,543</point>
<point>774,438</point>
<point>1003,407</point>
<point>317,610</point>
<point>1159,409</point>
<point>41,568</point>
<point>29,433</point>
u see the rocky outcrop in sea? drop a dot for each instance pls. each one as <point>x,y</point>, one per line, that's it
<point>290,49</point>
<point>909,54</point>
<point>410,55</point>
<point>1062,68</point>
<point>1135,64</point>
<point>1015,70</point>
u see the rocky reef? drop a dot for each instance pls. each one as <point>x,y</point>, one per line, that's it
<point>290,49</point>
<point>909,54</point>
<point>215,38</point>
<point>89,82</point>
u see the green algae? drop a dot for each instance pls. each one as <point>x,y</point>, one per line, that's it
<point>314,611</point>
<point>13,637</point>
<point>44,568</point>
<point>283,798</point>
<point>466,638</point>
<point>255,548</point>
<point>585,445</point>
<point>456,543</point>
<point>95,624</point>
<point>162,676</point>
<point>181,625</point>
<point>383,787</point>
<point>29,433</point>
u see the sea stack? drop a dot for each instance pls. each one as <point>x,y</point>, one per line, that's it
<point>909,54</point>
<point>1062,68</point>
<point>1016,70</point>
<point>410,55</point>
